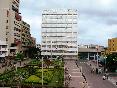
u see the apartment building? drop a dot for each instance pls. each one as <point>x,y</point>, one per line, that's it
<point>10,27</point>
<point>25,35</point>
<point>59,33</point>
<point>112,45</point>
<point>3,50</point>
<point>33,41</point>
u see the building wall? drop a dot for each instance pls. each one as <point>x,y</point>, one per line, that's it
<point>3,24</point>
<point>112,45</point>
<point>33,42</point>
<point>59,32</point>
<point>25,34</point>
<point>10,21</point>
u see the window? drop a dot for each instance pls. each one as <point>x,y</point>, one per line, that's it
<point>6,39</point>
<point>7,13</point>
<point>6,27</point>
<point>6,21</point>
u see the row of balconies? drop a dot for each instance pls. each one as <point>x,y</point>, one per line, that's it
<point>68,49</point>
<point>53,53</point>
<point>25,25</point>
<point>3,54</point>
<point>57,30</point>
<point>59,17</point>
<point>16,3</point>
<point>17,34</point>
<point>57,25</point>
<point>59,34</point>
<point>17,29</point>
<point>62,39</point>
<point>3,49</point>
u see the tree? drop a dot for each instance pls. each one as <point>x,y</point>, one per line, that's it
<point>111,62</point>
<point>19,56</point>
<point>34,52</point>
<point>47,62</point>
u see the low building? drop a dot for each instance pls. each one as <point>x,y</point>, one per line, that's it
<point>112,45</point>
<point>89,51</point>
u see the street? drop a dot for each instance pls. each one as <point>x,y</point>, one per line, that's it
<point>95,80</point>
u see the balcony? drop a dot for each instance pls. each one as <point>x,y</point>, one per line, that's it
<point>13,48</point>
<point>3,55</point>
<point>3,49</point>
<point>18,17</point>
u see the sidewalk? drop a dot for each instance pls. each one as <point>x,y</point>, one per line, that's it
<point>113,80</point>
<point>78,80</point>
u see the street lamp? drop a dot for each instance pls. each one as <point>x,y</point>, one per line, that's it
<point>97,56</point>
<point>42,71</point>
<point>41,66</point>
<point>105,63</point>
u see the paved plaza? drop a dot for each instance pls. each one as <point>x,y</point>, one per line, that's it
<point>77,80</point>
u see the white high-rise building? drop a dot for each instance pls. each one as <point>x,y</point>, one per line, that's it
<point>59,33</point>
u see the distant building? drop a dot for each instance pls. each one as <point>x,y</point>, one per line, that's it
<point>112,45</point>
<point>59,33</point>
<point>90,51</point>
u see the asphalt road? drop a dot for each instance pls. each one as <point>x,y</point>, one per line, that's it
<point>95,80</point>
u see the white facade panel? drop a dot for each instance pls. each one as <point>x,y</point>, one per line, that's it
<point>59,32</point>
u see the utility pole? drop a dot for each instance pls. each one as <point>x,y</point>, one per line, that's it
<point>42,71</point>
<point>97,61</point>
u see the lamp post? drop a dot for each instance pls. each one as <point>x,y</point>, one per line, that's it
<point>97,56</point>
<point>105,63</point>
<point>42,71</point>
<point>97,60</point>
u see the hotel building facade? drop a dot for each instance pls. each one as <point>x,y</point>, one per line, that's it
<point>59,33</point>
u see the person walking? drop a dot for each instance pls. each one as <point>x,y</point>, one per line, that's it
<point>104,77</point>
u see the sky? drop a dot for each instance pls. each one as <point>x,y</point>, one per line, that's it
<point>97,19</point>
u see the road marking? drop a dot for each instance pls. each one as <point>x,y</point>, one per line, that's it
<point>75,69</point>
<point>76,76</point>
<point>76,72</point>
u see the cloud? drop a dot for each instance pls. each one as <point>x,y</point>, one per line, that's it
<point>96,23</point>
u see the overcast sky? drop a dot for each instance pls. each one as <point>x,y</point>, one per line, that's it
<point>97,18</point>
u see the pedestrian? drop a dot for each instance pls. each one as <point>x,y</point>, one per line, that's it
<point>99,71</point>
<point>107,75</point>
<point>69,77</point>
<point>106,70</point>
<point>90,64</point>
<point>104,77</point>
<point>96,70</point>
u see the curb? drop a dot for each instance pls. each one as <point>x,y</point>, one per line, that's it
<point>113,81</point>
